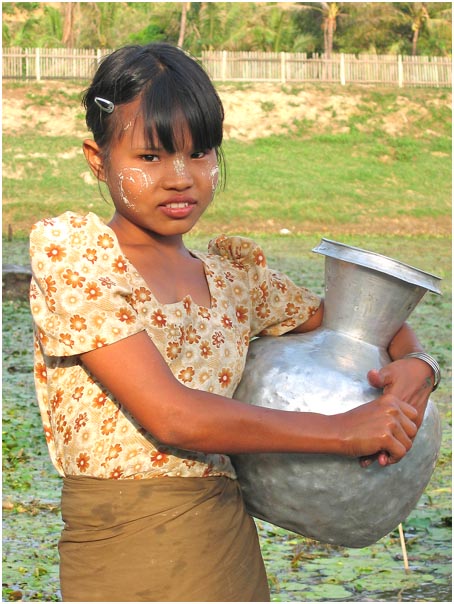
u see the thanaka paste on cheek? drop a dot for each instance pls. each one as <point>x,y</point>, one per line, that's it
<point>132,183</point>
<point>214,177</point>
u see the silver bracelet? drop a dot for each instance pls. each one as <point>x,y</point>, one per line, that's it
<point>423,356</point>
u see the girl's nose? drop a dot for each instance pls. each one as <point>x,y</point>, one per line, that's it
<point>178,174</point>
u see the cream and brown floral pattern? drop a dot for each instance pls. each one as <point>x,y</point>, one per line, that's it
<point>86,294</point>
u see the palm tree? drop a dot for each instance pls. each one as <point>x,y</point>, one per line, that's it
<point>330,11</point>
<point>184,12</point>
<point>104,21</point>
<point>431,16</point>
<point>68,24</point>
<point>418,15</point>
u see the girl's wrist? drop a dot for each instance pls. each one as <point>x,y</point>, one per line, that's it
<point>423,356</point>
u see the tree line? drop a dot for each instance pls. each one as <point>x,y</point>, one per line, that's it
<point>409,28</point>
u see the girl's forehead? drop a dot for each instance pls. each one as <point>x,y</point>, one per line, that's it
<point>129,113</point>
<point>132,126</point>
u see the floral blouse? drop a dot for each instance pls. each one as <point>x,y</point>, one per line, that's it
<point>86,294</point>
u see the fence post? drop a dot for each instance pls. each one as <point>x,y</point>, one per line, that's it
<point>283,68</point>
<point>27,68</point>
<point>342,69</point>
<point>400,71</point>
<point>37,65</point>
<point>224,66</point>
<point>435,64</point>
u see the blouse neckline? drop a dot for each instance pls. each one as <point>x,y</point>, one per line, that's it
<point>198,255</point>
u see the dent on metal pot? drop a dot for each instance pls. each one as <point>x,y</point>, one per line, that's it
<point>332,498</point>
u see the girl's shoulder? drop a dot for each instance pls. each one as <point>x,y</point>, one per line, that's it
<point>72,237</point>
<point>242,251</point>
<point>73,231</point>
<point>68,222</point>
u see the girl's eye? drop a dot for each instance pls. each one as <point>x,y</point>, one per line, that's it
<point>198,154</point>
<point>149,157</point>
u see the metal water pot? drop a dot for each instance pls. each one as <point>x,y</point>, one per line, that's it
<point>332,498</point>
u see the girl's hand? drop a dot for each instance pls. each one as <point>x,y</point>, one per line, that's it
<point>382,429</point>
<point>411,380</point>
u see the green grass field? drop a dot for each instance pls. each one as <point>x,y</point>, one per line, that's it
<point>389,194</point>
<point>328,183</point>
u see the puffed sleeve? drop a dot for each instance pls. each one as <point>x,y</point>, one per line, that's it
<point>80,293</point>
<point>277,305</point>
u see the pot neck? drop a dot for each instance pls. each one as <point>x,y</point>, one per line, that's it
<point>367,304</point>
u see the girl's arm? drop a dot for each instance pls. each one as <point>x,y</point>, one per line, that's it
<point>135,373</point>
<point>313,322</point>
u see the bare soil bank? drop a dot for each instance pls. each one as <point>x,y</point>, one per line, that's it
<point>251,110</point>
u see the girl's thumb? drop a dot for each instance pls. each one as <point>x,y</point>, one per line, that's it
<point>376,379</point>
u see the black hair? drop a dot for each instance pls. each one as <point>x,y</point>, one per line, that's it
<point>171,86</point>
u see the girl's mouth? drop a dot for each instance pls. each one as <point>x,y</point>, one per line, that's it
<point>178,209</point>
<point>179,204</point>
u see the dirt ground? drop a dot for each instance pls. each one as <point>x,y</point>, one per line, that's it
<point>251,111</point>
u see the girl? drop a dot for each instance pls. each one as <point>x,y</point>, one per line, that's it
<point>141,342</point>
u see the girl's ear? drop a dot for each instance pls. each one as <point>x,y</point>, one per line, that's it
<point>93,156</point>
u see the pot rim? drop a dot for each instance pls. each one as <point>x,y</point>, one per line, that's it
<point>378,262</point>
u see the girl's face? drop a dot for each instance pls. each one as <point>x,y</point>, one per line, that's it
<point>159,192</point>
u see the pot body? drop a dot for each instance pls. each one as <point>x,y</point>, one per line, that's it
<point>326,497</point>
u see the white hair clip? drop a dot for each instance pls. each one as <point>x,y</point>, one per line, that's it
<point>104,104</point>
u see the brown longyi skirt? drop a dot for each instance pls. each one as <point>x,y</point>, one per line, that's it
<point>159,540</point>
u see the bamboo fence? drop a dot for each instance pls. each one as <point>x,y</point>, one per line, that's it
<point>394,70</point>
<point>225,66</point>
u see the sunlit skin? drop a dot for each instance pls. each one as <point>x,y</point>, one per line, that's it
<point>158,197</point>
